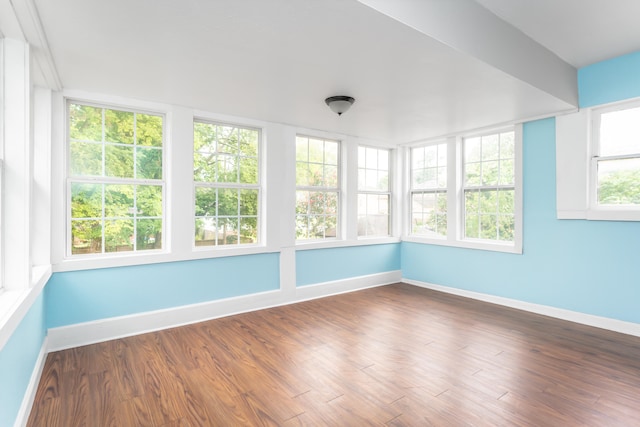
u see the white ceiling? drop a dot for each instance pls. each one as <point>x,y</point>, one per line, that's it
<point>276,60</point>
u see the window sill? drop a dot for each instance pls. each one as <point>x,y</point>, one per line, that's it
<point>131,259</point>
<point>14,304</point>
<point>614,214</point>
<point>466,244</point>
<point>303,246</point>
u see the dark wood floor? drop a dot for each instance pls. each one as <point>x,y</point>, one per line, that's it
<point>396,355</point>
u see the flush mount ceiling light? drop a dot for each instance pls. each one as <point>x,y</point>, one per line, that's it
<point>339,104</point>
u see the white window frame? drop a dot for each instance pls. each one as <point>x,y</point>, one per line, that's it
<point>597,211</point>
<point>387,193</point>
<point>69,179</point>
<point>455,195</point>
<point>338,189</point>
<point>439,190</point>
<point>236,186</point>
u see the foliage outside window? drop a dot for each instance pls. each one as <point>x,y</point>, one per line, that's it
<point>489,187</point>
<point>373,192</point>
<point>226,178</point>
<point>616,160</point>
<point>115,185</point>
<point>317,188</point>
<point>429,190</point>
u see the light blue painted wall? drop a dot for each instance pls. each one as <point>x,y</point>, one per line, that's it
<point>585,266</point>
<point>324,265</point>
<point>609,81</point>
<point>83,296</point>
<point>18,360</point>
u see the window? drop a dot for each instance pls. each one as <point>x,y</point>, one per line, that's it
<point>317,188</point>
<point>489,187</point>
<point>429,190</point>
<point>615,163</point>
<point>374,193</point>
<point>466,191</point>
<point>115,185</point>
<point>227,184</point>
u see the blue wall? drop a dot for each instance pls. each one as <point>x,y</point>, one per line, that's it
<point>609,81</point>
<point>83,296</point>
<point>325,265</point>
<point>585,266</point>
<point>18,359</point>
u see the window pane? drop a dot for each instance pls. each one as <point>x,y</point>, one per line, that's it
<point>472,151</point>
<point>86,237</point>
<point>118,235</point>
<point>85,123</point>
<point>249,202</point>
<point>488,227</point>
<point>149,130</point>
<point>249,230</point>
<point>428,213</point>
<point>204,167</point>
<point>490,172</point>
<point>620,132</point>
<point>227,202</point>
<point>506,228</point>
<point>248,142</point>
<point>373,215</point>
<point>227,140</point>
<point>331,176</point>
<point>302,149</point>
<point>472,174</point>
<point>86,200</point>
<point>619,182</point>
<point>248,170</point>
<point>506,203</point>
<point>204,137</point>
<point>316,151</point>
<point>490,147</point>
<point>227,168</point>
<point>118,126</point>
<point>228,231</point>
<point>149,163</point>
<point>206,201</point>
<point>118,161</point>
<point>331,153</point>
<point>303,174</point>
<point>118,200</point>
<point>205,232</point>
<point>302,202</point>
<point>149,200</point>
<point>86,159</point>
<point>148,234</point>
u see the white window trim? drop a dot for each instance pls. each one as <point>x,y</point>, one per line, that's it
<point>261,232</point>
<point>596,211</point>
<point>455,197</point>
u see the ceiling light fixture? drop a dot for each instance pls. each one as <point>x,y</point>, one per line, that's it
<point>339,104</point>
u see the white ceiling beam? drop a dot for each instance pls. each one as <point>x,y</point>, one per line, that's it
<point>19,20</point>
<point>468,27</point>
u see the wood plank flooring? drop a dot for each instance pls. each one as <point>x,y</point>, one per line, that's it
<point>396,355</point>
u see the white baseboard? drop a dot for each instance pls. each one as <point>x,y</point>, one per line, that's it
<point>119,327</point>
<point>615,325</point>
<point>32,387</point>
<point>325,289</point>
